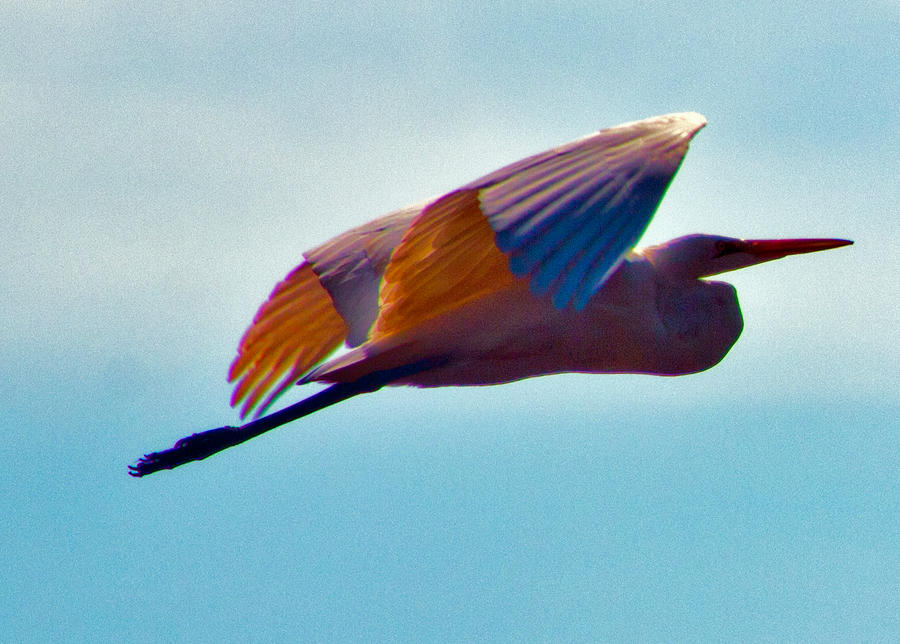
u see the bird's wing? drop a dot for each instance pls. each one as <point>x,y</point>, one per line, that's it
<point>293,330</point>
<point>351,266</point>
<point>567,218</point>
<point>330,298</point>
<point>562,219</point>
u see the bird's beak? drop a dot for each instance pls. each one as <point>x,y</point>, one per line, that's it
<point>735,254</point>
<point>764,250</point>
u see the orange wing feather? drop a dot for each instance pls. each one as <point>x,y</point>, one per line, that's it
<point>292,331</point>
<point>447,258</point>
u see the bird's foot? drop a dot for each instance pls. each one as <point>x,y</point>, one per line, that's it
<point>190,448</point>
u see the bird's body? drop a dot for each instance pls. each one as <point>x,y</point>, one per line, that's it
<point>527,271</point>
<point>639,323</point>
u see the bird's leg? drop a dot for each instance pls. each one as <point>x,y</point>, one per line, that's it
<point>198,446</point>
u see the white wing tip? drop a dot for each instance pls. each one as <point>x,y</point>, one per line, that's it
<point>687,123</point>
<point>675,124</point>
<point>690,122</point>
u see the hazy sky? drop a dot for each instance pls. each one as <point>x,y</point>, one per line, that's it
<point>163,166</point>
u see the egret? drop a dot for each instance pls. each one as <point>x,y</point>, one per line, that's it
<point>527,271</point>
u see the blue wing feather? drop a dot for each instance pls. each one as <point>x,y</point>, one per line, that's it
<point>601,236</point>
<point>566,217</point>
<point>533,225</point>
<point>559,262</point>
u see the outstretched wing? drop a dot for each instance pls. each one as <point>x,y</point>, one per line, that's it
<point>563,219</point>
<point>567,218</point>
<point>329,299</point>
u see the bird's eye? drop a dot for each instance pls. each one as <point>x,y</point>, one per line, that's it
<point>724,247</point>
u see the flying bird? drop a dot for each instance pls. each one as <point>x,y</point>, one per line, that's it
<point>527,271</point>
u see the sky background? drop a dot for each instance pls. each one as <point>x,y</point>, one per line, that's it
<point>163,166</point>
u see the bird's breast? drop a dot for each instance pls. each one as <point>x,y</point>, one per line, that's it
<point>700,321</point>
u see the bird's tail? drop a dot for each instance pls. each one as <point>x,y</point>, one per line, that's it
<point>198,446</point>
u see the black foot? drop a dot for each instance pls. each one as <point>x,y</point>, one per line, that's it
<point>195,447</point>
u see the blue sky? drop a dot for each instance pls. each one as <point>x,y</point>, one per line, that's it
<point>163,166</point>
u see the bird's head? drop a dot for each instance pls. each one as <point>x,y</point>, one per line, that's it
<point>697,256</point>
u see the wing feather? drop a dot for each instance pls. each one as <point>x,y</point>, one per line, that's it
<point>351,266</point>
<point>547,214</point>
<point>292,331</point>
<point>446,258</point>
<point>331,298</point>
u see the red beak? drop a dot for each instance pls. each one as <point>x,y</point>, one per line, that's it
<point>766,249</point>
